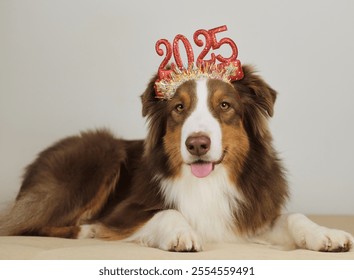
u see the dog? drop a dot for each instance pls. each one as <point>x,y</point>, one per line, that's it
<point>206,172</point>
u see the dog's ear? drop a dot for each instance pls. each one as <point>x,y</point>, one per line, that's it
<point>258,99</point>
<point>154,110</point>
<point>255,90</point>
<point>148,98</point>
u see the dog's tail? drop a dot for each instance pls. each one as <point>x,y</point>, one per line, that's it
<point>26,215</point>
<point>5,216</point>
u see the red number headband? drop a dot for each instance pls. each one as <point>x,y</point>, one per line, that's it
<point>218,67</point>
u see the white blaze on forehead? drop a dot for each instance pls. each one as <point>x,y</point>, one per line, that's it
<point>201,120</point>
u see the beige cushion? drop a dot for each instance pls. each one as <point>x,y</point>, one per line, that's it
<point>19,247</point>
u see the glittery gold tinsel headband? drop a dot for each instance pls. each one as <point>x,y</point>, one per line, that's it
<point>226,69</point>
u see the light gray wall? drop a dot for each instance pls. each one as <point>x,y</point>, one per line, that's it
<point>67,66</point>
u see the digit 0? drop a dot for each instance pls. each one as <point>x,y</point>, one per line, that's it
<point>188,48</point>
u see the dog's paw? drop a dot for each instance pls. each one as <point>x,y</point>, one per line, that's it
<point>327,240</point>
<point>86,231</point>
<point>182,241</point>
<point>168,230</point>
<point>309,235</point>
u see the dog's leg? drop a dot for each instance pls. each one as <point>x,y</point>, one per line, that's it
<point>297,231</point>
<point>167,230</point>
<point>100,231</point>
<point>170,231</point>
<point>63,232</point>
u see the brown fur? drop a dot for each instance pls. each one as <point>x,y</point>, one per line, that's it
<point>232,126</point>
<point>96,178</point>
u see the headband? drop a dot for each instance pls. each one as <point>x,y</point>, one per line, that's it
<point>217,67</point>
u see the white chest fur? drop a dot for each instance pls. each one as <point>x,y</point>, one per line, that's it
<point>207,203</point>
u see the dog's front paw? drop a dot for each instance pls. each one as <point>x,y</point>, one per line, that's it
<point>327,240</point>
<point>168,230</point>
<point>309,235</point>
<point>182,241</point>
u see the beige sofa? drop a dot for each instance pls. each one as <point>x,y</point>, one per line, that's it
<point>15,247</point>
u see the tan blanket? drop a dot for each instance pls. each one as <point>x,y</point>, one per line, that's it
<point>19,247</point>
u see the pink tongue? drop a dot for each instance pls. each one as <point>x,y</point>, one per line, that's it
<point>201,170</point>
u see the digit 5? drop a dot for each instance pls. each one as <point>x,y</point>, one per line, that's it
<point>217,44</point>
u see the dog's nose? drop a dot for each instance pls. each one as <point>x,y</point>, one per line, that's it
<point>198,145</point>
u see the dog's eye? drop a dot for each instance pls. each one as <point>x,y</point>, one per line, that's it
<point>224,106</point>
<point>179,108</point>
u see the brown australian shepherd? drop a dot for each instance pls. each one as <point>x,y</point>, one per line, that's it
<point>207,172</point>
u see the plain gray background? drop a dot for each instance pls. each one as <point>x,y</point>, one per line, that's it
<point>68,66</point>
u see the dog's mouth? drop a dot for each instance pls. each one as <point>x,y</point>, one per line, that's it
<point>202,168</point>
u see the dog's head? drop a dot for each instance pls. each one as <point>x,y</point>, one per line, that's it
<point>209,122</point>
